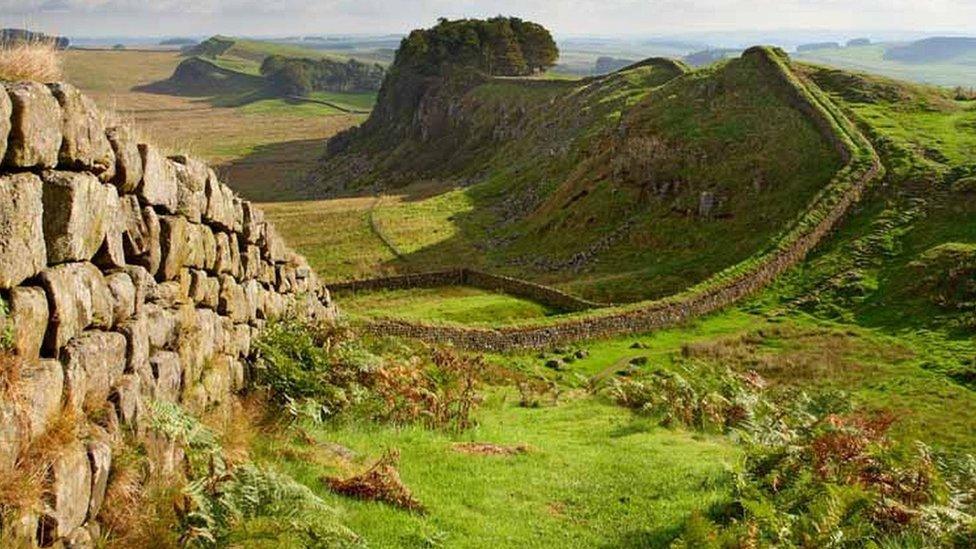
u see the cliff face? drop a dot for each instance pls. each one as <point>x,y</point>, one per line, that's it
<point>127,277</point>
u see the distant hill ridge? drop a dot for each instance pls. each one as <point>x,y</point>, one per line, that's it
<point>21,35</point>
<point>932,50</point>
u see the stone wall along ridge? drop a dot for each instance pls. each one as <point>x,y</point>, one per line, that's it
<point>127,277</point>
<point>862,166</point>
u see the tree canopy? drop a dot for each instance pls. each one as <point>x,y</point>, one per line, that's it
<point>501,46</point>
<point>298,76</point>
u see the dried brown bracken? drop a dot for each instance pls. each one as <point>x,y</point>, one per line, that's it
<point>381,482</point>
<point>489,449</point>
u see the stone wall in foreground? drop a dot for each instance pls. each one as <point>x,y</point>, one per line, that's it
<point>128,277</point>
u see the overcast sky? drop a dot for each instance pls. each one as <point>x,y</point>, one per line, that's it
<point>565,17</point>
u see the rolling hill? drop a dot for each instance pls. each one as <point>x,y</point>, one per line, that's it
<point>621,188</point>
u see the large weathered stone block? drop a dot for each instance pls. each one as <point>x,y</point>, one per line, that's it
<point>111,254</point>
<point>41,387</point>
<point>6,110</point>
<point>136,332</point>
<point>201,335</point>
<point>191,179</point>
<point>11,433</point>
<point>84,145</point>
<point>23,253</point>
<point>174,242</point>
<point>272,246</point>
<point>218,380</point>
<point>220,211</point>
<point>144,284</point>
<point>202,247</point>
<point>69,496</point>
<point>140,241</point>
<point>250,262</point>
<point>252,296</point>
<point>253,229</point>
<point>100,458</point>
<point>35,127</point>
<point>29,316</point>
<point>204,290</point>
<point>158,187</point>
<point>127,397</point>
<point>162,326</point>
<point>128,160</point>
<point>93,363</point>
<point>78,298</point>
<point>232,301</point>
<point>123,297</point>
<point>76,215</point>
<point>168,374</point>
<point>223,261</point>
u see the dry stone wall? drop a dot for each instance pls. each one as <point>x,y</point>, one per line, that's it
<point>127,276</point>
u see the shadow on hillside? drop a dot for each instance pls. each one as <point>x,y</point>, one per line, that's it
<point>275,172</point>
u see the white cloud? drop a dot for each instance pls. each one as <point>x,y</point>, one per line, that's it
<point>645,17</point>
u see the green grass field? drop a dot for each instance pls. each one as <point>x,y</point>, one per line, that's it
<point>594,476</point>
<point>462,305</point>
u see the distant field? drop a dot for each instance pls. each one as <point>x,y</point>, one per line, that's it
<point>256,147</point>
<point>958,72</point>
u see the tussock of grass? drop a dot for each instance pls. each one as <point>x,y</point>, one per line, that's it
<point>36,61</point>
<point>23,486</point>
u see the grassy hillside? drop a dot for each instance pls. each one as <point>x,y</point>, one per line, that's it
<point>595,186</point>
<point>900,262</point>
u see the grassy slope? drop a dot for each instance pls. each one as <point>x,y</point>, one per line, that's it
<point>957,72</point>
<point>864,274</point>
<point>724,130</point>
<point>600,476</point>
<point>595,476</point>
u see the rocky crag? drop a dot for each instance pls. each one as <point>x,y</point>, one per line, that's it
<point>127,277</point>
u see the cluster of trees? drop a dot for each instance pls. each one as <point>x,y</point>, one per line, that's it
<point>502,46</point>
<point>297,76</point>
